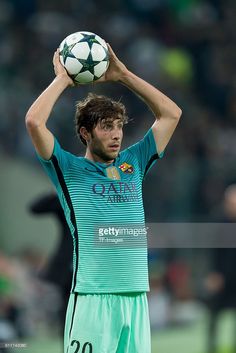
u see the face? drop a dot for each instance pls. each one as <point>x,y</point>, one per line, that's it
<point>105,140</point>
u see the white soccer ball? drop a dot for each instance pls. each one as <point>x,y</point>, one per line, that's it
<point>85,56</point>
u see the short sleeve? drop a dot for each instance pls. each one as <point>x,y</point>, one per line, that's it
<point>146,152</point>
<point>58,164</point>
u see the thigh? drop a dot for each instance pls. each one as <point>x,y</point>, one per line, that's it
<point>92,325</point>
<point>140,335</point>
<point>69,320</point>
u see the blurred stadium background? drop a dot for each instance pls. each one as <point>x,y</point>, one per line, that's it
<point>187,49</point>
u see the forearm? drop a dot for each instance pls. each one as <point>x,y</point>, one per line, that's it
<point>159,103</point>
<point>40,110</point>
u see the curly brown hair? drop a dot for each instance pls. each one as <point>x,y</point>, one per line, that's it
<point>97,108</point>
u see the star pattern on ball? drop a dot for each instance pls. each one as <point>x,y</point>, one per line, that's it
<point>66,51</point>
<point>88,64</point>
<point>90,39</point>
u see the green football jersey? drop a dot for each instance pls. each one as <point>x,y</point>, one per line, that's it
<point>103,206</point>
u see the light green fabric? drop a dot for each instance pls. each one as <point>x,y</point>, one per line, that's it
<point>107,323</point>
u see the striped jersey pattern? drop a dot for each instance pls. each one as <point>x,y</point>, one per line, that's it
<point>100,200</point>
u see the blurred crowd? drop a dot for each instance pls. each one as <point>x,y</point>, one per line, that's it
<point>185,48</point>
<point>27,303</point>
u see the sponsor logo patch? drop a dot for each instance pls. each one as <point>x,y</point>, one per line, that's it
<point>113,173</point>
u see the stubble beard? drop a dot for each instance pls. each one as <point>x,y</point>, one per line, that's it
<point>99,151</point>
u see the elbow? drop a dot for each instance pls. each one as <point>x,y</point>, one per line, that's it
<point>178,113</point>
<point>174,114</point>
<point>31,122</point>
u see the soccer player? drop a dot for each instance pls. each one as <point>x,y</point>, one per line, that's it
<point>100,192</point>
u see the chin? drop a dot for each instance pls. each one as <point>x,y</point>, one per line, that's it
<point>113,155</point>
<point>107,155</point>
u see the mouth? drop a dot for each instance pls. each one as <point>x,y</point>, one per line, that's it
<point>115,146</point>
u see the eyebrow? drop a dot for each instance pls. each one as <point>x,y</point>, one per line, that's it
<point>111,122</point>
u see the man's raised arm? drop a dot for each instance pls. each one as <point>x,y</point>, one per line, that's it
<point>39,112</point>
<point>167,113</point>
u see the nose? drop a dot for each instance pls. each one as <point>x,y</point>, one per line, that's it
<point>116,134</point>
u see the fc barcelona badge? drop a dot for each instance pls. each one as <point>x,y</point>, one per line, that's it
<point>126,168</point>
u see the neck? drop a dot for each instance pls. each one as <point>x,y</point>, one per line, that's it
<point>95,158</point>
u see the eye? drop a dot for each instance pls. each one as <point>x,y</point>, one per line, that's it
<point>107,127</point>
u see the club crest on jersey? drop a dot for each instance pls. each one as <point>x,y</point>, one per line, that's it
<point>126,168</point>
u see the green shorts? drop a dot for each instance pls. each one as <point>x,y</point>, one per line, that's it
<point>107,323</point>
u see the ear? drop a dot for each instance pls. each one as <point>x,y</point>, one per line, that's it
<point>85,134</point>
